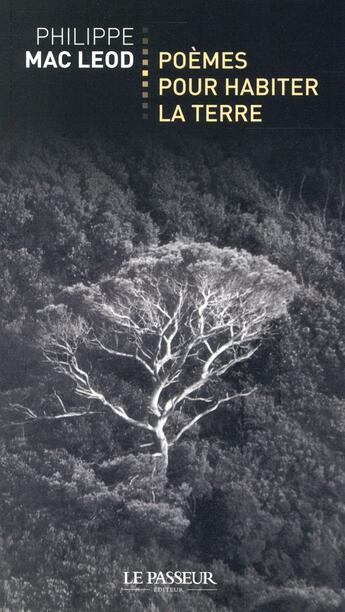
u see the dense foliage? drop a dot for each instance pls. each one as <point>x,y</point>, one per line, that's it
<point>254,494</point>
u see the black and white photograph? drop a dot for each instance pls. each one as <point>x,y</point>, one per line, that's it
<point>172,306</point>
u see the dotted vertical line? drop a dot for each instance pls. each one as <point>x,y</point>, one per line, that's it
<point>145,73</point>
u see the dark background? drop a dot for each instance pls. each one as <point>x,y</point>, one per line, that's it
<point>281,38</point>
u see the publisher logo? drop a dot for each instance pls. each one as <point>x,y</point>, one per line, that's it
<point>170,581</point>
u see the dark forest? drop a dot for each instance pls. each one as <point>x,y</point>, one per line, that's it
<point>253,492</point>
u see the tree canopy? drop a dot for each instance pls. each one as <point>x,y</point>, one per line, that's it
<point>186,313</point>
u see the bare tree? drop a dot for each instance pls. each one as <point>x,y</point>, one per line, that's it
<point>185,314</point>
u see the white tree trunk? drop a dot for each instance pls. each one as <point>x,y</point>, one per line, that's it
<point>162,442</point>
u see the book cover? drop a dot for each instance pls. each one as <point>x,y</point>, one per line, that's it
<point>172,356</point>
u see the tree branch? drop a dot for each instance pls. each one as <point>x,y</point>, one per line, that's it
<point>33,417</point>
<point>208,411</point>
